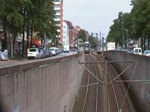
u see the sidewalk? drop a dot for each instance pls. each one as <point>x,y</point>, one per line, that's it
<point>12,61</point>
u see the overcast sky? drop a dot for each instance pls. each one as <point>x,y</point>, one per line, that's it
<point>94,15</point>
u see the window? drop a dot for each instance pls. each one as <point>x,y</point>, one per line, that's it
<point>57,16</point>
<point>57,22</point>
<point>57,5</point>
<point>57,11</point>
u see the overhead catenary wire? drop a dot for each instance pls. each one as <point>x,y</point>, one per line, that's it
<point>92,74</point>
<point>133,73</point>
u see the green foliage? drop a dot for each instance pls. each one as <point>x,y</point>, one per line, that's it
<point>115,32</point>
<point>2,3</point>
<point>133,25</point>
<point>18,16</point>
<point>141,18</point>
<point>119,29</point>
<point>82,35</point>
<point>93,42</point>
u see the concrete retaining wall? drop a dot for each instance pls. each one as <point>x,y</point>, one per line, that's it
<point>41,86</point>
<point>140,91</point>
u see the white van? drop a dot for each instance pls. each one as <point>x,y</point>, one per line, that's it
<point>66,48</point>
<point>137,50</point>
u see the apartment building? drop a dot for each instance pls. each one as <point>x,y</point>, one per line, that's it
<point>70,34</point>
<point>73,36</point>
<point>66,29</point>
<point>58,7</point>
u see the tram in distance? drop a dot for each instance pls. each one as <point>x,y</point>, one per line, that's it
<point>87,47</point>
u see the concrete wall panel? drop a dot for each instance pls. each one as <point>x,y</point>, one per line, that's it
<point>140,91</point>
<point>48,85</point>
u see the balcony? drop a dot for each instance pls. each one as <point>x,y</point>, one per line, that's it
<point>56,8</point>
<point>58,13</point>
<point>57,3</point>
<point>57,19</point>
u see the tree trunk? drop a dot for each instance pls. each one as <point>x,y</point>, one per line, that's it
<point>28,35</point>
<point>32,31</point>
<point>23,45</point>
<point>4,41</point>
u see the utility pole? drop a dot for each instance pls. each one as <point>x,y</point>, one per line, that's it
<point>44,39</point>
<point>105,87</point>
<point>102,46</point>
<point>123,35</point>
<point>127,38</point>
<point>100,43</point>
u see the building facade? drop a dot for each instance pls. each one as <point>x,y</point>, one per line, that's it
<point>70,34</point>
<point>58,7</point>
<point>65,38</point>
<point>73,36</point>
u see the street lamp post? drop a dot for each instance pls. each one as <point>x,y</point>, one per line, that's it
<point>123,35</point>
<point>127,37</point>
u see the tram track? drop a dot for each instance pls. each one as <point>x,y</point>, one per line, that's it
<point>92,95</point>
<point>91,99</point>
<point>123,101</point>
<point>120,95</point>
<point>91,89</point>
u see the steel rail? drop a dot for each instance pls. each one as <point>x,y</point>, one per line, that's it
<point>114,92</point>
<point>85,99</point>
<point>93,67</point>
<point>97,90</point>
<point>87,89</point>
<point>125,92</point>
<point>128,98</point>
<point>121,73</point>
<point>92,74</point>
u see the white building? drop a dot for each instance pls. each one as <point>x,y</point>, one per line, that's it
<point>65,39</point>
<point>58,7</point>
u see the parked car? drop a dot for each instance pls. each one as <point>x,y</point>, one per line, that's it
<point>48,52</point>
<point>57,51</point>
<point>42,53</point>
<point>33,53</point>
<point>146,53</point>
<point>53,50</point>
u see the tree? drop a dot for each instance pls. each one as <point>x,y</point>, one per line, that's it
<point>27,16</point>
<point>133,25</point>
<point>118,31</point>
<point>82,35</point>
<point>41,18</point>
<point>93,42</point>
<point>141,18</point>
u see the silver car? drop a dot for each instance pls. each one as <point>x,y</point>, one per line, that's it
<point>146,53</point>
